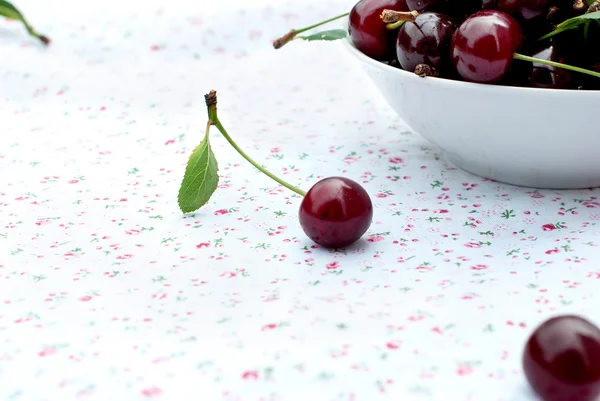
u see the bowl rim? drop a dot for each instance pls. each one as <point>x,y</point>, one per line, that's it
<point>463,85</point>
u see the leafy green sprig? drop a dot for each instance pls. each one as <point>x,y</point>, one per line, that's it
<point>11,12</point>
<point>201,177</point>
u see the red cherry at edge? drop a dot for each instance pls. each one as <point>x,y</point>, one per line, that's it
<point>483,46</point>
<point>336,212</point>
<point>368,32</point>
<point>561,359</point>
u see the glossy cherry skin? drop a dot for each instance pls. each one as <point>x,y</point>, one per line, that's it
<point>425,5</point>
<point>561,359</point>
<point>336,212</point>
<point>426,40</point>
<point>545,76</point>
<point>368,32</point>
<point>483,46</point>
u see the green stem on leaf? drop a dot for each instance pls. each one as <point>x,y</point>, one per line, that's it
<point>9,11</point>
<point>282,41</point>
<point>522,57</point>
<point>211,104</point>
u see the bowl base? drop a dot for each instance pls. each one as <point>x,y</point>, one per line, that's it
<point>532,179</point>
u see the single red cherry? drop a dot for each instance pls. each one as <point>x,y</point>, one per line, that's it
<point>561,360</point>
<point>425,40</point>
<point>483,46</point>
<point>368,32</point>
<point>336,212</point>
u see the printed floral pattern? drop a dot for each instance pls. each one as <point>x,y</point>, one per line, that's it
<point>108,293</point>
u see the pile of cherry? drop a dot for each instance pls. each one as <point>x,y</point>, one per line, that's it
<point>484,41</point>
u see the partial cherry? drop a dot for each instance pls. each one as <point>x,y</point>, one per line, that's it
<point>483,46</point>
<point>336,212</point>
<point>426,40</point>
<point>561,359</point>
<point>368,32</point>
<point>545,76</point>
<point>425,5</point>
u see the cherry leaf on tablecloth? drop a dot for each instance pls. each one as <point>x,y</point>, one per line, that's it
<point>200,179</point>
<point>11,12</point>
<point>573,23</point>
<point>333,34</point>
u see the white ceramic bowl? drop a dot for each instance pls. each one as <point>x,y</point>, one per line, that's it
<point>542,138</point>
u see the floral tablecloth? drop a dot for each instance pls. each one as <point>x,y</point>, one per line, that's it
<point>108,292</point>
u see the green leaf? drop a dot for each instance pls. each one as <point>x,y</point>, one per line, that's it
<point>573,23</point>
<point>333,34</point>
<point>9,11</point>
<point>200,179</point>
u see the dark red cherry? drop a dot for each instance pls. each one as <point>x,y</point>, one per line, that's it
<point>336,212</point>
<point>426,40</point>
<point>425,5</point>
<point>545,76</point>
<point>561,360</point>
<point>510,6</point>
<point>368,32</point>
<point>483,46</point>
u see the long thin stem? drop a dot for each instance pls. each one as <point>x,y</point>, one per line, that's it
<point>522,57</point>
<point>42,38</point>
<point>279,43</point>
<point>213,119</point>
<point>308,28</point>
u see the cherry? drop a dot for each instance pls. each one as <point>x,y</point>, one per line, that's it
<point>368,32</point>
<point>561,359</point>
<point>336,212</point>
<point>423,5</point>
<point>483,46</point>
<point>426,40</point>
<point>544,76</point>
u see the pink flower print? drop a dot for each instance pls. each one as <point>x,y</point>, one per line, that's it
<point>464,370</point>
<point>73,181</point>
<point>393,345</point>
<point>275,150</point>
<point>85,298</point>
<point>203,245</point>
<point>151,392</point>
<point>479,267</point>
<point>590,204</point>
<point>552,251</point>
<point>396,160</point>
<point>250,375</point>
<point>332,265</point>
<point>375,238</point>
<point>548,227</point>
<point>47,351</point>
<point>473,245</point>
<point>170,142</point>
<point>270,326</point>
<point>221,212</point>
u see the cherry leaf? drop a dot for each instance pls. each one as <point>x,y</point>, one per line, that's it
<point>200,179</point>
<point>11,12</point>
<point>333,34</point>
<point>573,23</point>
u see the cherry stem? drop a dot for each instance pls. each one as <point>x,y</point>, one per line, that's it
<point>394,19</point>
<point>213,119</point>
<point>291,35</point>
<point>522,57</point>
